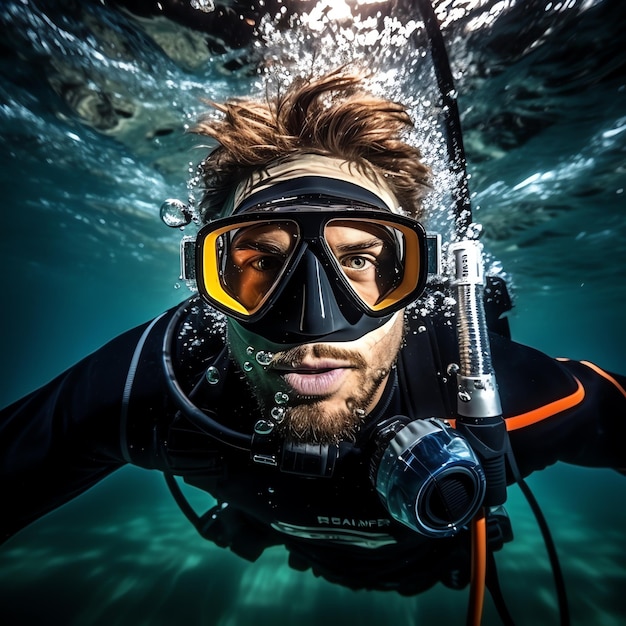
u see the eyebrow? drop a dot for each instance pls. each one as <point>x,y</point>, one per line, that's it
<point>249,242</point>
<point>364,245</point>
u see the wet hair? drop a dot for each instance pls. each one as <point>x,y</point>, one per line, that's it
<point>333,115</point>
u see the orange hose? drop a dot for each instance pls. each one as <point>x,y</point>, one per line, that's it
<point>479,569</point>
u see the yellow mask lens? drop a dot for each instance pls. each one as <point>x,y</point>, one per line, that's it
<point>372,257</point>
<point>243,263</point>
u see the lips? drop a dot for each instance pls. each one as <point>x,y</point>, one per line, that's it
<point>318,379</point>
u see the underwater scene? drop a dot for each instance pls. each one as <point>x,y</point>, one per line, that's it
<point>96,101</point>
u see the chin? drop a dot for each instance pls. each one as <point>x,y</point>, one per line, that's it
<point>323,421</point>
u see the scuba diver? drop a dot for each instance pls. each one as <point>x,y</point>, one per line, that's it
<point>304,386</point>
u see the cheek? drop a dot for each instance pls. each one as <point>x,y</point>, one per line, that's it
<point>382,345</point>
<point>263,384</point>
<point>240,354</point>
<point>385,352</point>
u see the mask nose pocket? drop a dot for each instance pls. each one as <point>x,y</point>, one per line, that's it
<point>309,301</point>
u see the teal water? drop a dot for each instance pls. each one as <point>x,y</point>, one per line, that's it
<point>93,108</point>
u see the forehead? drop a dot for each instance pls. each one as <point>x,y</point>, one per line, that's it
<point>314,174</point>
<point>312,187</point>
<point>349,231</point>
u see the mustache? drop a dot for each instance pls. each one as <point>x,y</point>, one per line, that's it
<point>295,356</point>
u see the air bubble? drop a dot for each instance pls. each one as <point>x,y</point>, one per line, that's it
<point>453,369</point>
<point>264,358</point>
<point>212,375</point>
<point>464,396</point>
<point>175,213</point>
<point>474,230</point>
<point>263,427</point>
<point>281,398</point>
<point>206,6</point>
<point>278,414</point>
<point>247,366</point>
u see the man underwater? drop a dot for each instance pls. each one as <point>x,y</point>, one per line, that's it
<point>311,250</point>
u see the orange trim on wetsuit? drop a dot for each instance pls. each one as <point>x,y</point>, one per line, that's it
<point>542,412</point>
<point>547,410</point>
<point>605,375</point>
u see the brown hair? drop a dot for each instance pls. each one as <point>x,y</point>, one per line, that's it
<point>332,115</point>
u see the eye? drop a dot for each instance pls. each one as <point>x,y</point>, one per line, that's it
<point>268,263</point>
<point>357,262</point>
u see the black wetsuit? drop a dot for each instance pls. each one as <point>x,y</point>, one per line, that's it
<point>112,408</point>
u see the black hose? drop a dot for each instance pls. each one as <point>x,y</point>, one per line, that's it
<point>454,135</point>
<point>557,573</point>
<point>201,419</point>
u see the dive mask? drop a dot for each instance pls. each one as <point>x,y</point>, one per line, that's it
<point>321,258</point>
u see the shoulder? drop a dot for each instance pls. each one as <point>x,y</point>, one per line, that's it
<point>530,381</point>
<point>532,385</point>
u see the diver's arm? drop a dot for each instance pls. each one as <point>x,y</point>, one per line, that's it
<point>63,438</point>
<point>558,410</point>
<point>599,421</point>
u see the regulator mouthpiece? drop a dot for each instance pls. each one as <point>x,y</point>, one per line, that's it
<point>429,478</point>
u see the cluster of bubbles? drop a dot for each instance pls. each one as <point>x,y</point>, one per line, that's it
<point>206,6</point>
<point>202,325</point>
<point>276,416</point>
<point>263,358</point>
<point>395,51</point>
<point>278,411</point>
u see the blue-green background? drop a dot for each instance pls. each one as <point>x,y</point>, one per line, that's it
<point>84,257</point>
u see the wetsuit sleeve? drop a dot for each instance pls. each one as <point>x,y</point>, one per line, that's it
<point>561,410</point>
<point>63,438</point>
<point>588,427</point>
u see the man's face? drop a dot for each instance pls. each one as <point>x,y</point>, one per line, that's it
<point>316,251</point>
<point>325,389</point>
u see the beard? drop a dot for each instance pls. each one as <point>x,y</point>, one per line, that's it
<point>309,420</point>
<point>312,418</point>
